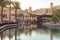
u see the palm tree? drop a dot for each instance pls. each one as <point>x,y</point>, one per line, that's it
<point>10,10</point>
<point>31,15</point>
<point>3,4</point>
<point>16,6</point>
<point>9,4</point>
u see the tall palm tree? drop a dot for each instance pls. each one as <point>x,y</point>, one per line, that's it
<point>10,11</point>
<point>16,5</point>
<point>2,4</point>
<point>9,4</point>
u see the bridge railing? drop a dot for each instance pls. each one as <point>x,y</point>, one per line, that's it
<point>8,27</point>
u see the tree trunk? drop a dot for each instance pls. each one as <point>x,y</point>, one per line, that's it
<point>10,14</point>
<point>1,13</point>
<point>16,15</point>
<point>23,18</point>
<point>30,19</point>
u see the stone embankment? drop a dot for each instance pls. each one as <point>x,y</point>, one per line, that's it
<point>52,25</point>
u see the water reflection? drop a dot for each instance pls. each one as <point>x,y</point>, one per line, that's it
<point>31,34</point>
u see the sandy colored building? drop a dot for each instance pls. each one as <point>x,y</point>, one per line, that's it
<point>41,11</point>
<point>30,10</point>
<point>47,11</point>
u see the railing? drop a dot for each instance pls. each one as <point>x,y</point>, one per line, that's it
<point>9,27</point>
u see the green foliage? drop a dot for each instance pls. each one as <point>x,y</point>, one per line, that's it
<point>55,31</point>
<point>55,18</point>
<point>57,12</point>
<point>2,3</point>
<point>31,15</point>
<point>16,5</point>
<point>56,15</point>
<point>20,15</point>
<point>8,2</point>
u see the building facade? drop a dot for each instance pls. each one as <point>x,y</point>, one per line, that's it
<point>42,11</point>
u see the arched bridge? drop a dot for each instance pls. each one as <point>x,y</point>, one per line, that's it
<point>42,18</point>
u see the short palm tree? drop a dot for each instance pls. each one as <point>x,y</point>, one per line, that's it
<point>31,15</point>
<point>56,15</point>
<point>16,5</point>
<point>57,12</point>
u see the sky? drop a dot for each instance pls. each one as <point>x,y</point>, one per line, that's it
<point>36,4</point>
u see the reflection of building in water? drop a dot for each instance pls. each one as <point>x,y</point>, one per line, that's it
<point>33,26</point>
<point>26,27</point>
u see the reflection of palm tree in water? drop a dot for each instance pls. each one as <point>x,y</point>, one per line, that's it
<point>30,32</point>
<point>54,31</point>
<point>51,35</point>
<point>18,34</point>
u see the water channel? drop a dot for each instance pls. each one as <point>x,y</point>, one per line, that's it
<point>32,34</point>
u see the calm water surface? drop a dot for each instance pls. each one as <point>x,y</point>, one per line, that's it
<point>35,34</point>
